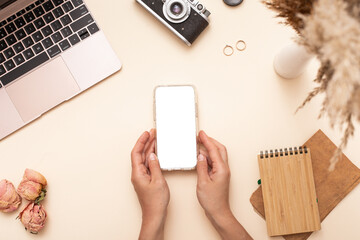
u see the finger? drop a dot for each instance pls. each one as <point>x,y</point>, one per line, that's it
<point>151,138</point>
<point>136,153</point>
<point>151,141</point>
<point>199,139</point>
<point>202,169</point>
<point>211,148</point>
<point>154,167</point>
<point>151,149</point>
<point>205,153</point>
<point>149,144</point>
<point>221,148</point>
<point>153,131</point>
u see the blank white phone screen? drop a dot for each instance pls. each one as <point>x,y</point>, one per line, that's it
<point>175,116</point>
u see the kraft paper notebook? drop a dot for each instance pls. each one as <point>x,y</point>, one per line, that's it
<point>289,193</point>
<point>331,187</point>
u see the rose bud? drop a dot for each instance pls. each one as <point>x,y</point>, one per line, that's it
<point>33,217</point>
<point>31,185</point>
<point>9,199</point>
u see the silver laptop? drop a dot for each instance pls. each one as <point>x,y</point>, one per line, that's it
<point>50,51</point>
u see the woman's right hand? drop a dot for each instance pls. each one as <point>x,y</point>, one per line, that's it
<point>213,189</point>
<point>213,176</point>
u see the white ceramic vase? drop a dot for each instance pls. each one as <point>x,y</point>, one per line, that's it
<point>292,61</point>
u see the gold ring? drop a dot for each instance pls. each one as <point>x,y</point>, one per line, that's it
<point>228,53</point>
<point>243,47</point>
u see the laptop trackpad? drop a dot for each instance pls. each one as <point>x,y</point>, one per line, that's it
<point>42,89</point>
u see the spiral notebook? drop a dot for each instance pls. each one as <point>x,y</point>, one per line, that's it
<point>331,187</point>
<point>289,191</point>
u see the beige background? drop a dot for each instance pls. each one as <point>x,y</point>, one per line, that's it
<point>83,146</point>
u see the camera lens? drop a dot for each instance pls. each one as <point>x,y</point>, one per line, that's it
<point>176,8</point>
<point>176,11</point>
<point>200,7</point>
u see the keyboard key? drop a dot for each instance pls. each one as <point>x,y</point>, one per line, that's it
<point>83,33</point>
<point>29,28</point>
<point>81,23</point>
<point>28,42</point>
<point>74,39</point>
<point>29,17</point>
<point>9,53</point>
<point>93,28</point>
<point>38,48</point>
<point>20,22</point>
<point>56,37</point>
<point>3,45</point>
<point>64,45</point>
<point>55,50</point>
<point>20,34</point>
<point>2,58</point>
<point>48,6</point>
<point>31,6</point>
<point>11,39</point>
<point>39,23</point>
<point>66,32</point>
<point>2,33</point>
<point>18,47</point>
<point>68,7</point>
<point>11,18</point>
<point>28,53</point>
<point>39,11</point>
<point>49,17</point>
<point>57,2</point>
<point>9,65</point>
<point>21,12</point>
<point>24,68</point>
<point>77,2</point>
<point>46,31</point>
<point>19,59</point>
<point>37,36</point>
<point>10,28</point>
<point>2,23</point>
<point>58,12</point>
<point>56,25</point>
<point>79,12</point>
<point>47,42</point>
<point>65,20</point>
<point>2,70</point>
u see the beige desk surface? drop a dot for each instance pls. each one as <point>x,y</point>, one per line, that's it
<point>83,146</point>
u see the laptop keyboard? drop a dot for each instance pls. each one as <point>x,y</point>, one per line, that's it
<point>40,32</point>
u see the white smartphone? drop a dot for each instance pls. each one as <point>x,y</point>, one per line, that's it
<point>175,116</point>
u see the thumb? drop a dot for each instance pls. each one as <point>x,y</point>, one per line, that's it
<point>202,168</point>
<point>154,167</point>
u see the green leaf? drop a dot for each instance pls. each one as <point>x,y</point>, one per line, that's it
<point>41,196</point>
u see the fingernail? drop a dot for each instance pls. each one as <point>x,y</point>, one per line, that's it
<point>152,157</point>
<point>201,158</point>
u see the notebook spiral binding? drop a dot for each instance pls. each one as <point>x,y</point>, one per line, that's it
<point>286,152</point>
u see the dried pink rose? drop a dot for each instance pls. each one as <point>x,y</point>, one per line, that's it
<point>9,199</point>
<point>31,185</point>
<point>33,217</point>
